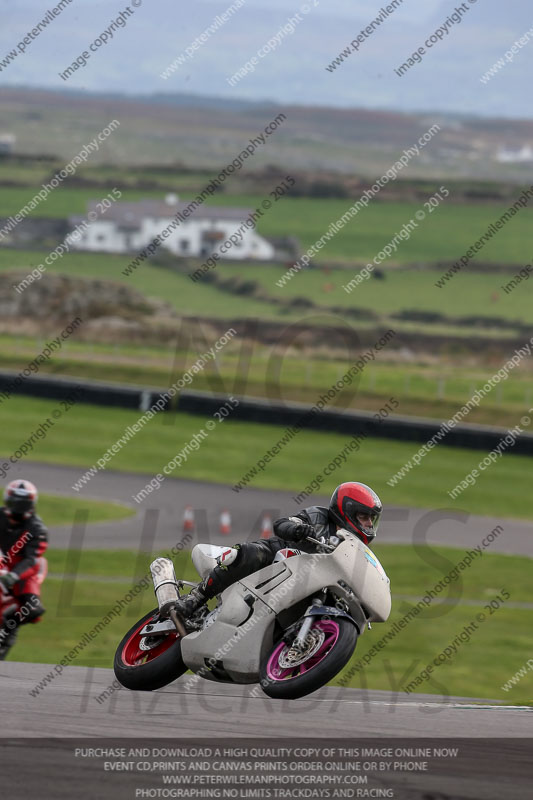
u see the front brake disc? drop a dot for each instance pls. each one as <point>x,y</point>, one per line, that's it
<point>292,657</point>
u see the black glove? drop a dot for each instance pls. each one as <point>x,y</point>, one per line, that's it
<point>8,580</point>
<point>296,531</point>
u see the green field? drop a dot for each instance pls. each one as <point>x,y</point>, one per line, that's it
<point>61,202</point>
<point>232,449</point>
<point>422,390</point>
<point>178,290</point>
<point>495,652</point>
<point>445,234</point>
<point>473,294</point>
<point>58,510</point>
<point>398,300</point>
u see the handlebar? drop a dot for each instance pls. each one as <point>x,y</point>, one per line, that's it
<point>328,547</point>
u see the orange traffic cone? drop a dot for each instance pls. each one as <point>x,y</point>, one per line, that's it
<point>188,519</point>
<point>266,527</point>
<point>225,522</point>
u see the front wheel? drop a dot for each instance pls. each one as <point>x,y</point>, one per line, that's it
<point>286,674</point>
<point>145,663</point>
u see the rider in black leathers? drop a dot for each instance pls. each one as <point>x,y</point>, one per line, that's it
<point>353,506</point>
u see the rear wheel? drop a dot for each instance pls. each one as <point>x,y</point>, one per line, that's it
<point>289,674</point>
<point>145,663</point>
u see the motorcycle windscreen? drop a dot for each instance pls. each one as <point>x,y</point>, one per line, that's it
<point>364,574</point>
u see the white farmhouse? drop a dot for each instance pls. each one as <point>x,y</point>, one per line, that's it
<point>130,227</point>
<point>522,155</point>
<point>7,143</point>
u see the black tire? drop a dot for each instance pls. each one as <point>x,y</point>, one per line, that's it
<point>318,675</point>
<point>159,671</point>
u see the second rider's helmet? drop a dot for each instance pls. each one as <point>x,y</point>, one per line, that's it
<point>20,497</point>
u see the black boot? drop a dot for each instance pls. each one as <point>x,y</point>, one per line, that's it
<point>8,637</point>
<point>186,606</point>
<point>213,584</point>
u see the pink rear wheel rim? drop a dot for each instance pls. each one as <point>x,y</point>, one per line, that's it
<point>276,672</point>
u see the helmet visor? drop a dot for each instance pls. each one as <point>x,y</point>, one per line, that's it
<point>19,505</point>
<point>368,522</point>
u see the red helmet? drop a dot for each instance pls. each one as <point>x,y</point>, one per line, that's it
<point>348,502</point>
<point>20,497</point>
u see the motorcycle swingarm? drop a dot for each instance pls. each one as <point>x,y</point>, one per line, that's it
<point>158,627</point>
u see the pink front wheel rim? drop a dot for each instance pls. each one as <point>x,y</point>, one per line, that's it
<point>277,673</point>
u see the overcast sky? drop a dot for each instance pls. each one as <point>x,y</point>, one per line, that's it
<point>447,79</point>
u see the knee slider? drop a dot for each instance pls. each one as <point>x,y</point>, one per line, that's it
<point>31,608</point>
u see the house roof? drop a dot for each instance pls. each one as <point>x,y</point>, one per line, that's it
<point>131,214</point>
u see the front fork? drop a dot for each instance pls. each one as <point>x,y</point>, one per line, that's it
<point>300,641</point>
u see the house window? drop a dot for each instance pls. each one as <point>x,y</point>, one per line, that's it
<point>101,237</point>
<point>184,245</point>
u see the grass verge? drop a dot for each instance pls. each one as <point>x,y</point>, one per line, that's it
<point>60,510</point>
<point>231,449</point>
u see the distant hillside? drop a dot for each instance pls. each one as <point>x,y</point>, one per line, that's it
<point>206,131</point>
<point>159,32</point>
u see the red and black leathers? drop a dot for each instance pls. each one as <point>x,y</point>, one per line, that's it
<point>22,542</point>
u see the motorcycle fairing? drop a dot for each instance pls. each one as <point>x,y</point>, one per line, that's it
<point>238,640</point>
<point>243,632</point>
<point>329,611</point>
<point>287,552</point>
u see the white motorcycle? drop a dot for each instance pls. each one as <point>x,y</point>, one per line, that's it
<point>291,626</point>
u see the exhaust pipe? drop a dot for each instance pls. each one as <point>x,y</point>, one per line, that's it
<point>165,584</point>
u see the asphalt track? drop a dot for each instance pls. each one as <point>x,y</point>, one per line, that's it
<point>68,707</point>
<point>67,711</point>
<point>158,523</point>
